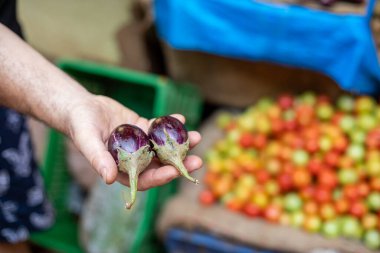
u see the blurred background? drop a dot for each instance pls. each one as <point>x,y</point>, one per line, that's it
<point>284,92</point>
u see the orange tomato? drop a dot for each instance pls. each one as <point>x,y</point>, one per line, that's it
<point>223,185</point>
<point>341,206</point>
<point>301,178</point>
<point>234,205</point>
<point>310,207</point>
<point>327,211</point>
<point>328,179</point>
<point>272,213</point>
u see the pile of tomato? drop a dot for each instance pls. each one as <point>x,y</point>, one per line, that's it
<point>301,161</point>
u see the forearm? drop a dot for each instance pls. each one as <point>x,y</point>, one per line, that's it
<point>32,85</point>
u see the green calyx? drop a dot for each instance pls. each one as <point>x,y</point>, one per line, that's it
<point>172,153</point>
<point>133,164</point>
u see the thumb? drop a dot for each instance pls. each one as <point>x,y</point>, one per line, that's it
<point>93,148</point>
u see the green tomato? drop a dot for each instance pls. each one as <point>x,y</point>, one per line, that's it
<point>331,229</point>
<point>223,120</point>
<point>337,194</point>
<point>246,123</point>
<point>263,125</point>
<point>264,104</point>
<point>289,115</point>
<point>356,152</point>
<point>365,104</point>
<point>346,103</point>
<point>234,151</point>
<point>227,197</point>
<point>300,157</point>
<point>212,155</point>
<point>372,239</point>
<point>325,111</point>
<point>308,98</point>
<point>373,168</point>
<point>347,176</point>
<point>366,122</point>
<point>247,181</point>
<point>251,152</point>
<point>347,123</point>
<point>233,136</point>
<point>358,136</point>
<point>325,143</point>
<point>297,219</point>
<point>292,202</point>
<point>351,228</point>
<point>373,201</point>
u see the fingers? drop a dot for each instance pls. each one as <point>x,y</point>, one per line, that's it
<point>155,176</point>
<point>92,147</point>
<point>195,138</point>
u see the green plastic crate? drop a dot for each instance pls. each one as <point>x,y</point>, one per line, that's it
<point>147,94</point>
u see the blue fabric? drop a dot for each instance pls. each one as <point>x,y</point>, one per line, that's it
<point>24,207</point>
<point>340,46</point>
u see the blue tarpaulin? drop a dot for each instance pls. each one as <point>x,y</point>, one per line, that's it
<point>339,45</point>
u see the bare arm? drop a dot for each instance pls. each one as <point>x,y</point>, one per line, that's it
<point>32,85</point>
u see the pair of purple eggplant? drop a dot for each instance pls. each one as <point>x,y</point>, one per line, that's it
<point>133,149</point>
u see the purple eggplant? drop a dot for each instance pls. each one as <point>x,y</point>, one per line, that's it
<point>130,147</point>
<point>170,141</point>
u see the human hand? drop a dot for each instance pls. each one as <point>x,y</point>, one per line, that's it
<point>90,124</point>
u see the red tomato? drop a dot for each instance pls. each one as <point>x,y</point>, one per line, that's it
<point>323,99</point>
<point>297,143</point>
<point>207,198</point>
<point>308,192</point>
<point>363,189</point>
<point>315,166</point>
<point>272,213</point>
<point>262,176</point>
<point>312,145</point>
<point>328,179</point>
<point>358,209</point>
<point>277,126</point>
<point>290,125</point>
<point>336,118</point>
<point>288,167</point>
<point>259,141</point>
<point>304,115</point>
<point>323,195</point>
<point>332,159</point>
<point>285,101</point>
<point>311,132</point>
<point>252,210</point>
<point>351,192</point>
<point>285,181</point>
<point>246,140</point>
<point>301,178</point>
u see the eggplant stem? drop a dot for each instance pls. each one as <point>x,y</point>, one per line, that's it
<point>178,164</point>
<point>133,177</point>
